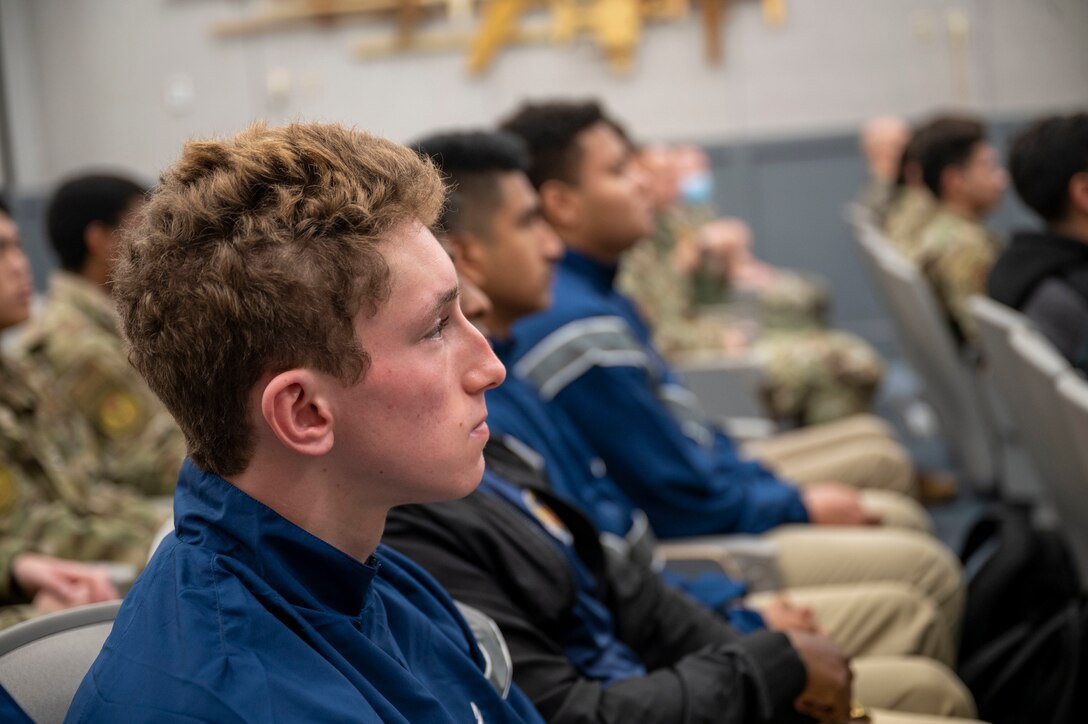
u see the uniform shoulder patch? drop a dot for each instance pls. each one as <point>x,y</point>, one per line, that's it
<point>120,414</point>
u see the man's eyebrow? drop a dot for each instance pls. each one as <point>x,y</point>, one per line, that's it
<point>530,213</point>
<point>444,299</point>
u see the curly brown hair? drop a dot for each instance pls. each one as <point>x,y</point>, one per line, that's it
<point>254,255</point>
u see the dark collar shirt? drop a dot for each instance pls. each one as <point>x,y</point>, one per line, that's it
<point>243,616</point>
<point>1045,276</point>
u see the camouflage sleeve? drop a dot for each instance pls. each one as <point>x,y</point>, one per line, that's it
<point>61,516</point>
<point>123,535</point>
<point>816,376</point>
<point>679,335</point>
<point>958,273</point>
<point>653,283</point>
<point>10,547</point>
<point>794,300</point>
<point>142,447</point>
<point>11,615</point>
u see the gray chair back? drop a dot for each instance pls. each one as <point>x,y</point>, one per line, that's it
<point>43,660</point>
<point>1000,370</point>
<point>996,323</point>
<point>498,666</point>
<point>928,345</point>
<point>1049,438</point>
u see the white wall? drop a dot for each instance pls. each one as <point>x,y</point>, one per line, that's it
<point>87,79</point>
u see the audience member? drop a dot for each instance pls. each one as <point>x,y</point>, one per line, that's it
<point>594,637</point>
<point>702,291</point>
<point>55,497</point>
<point>1044,274</point>
<point>76,343</point>
<point>954,251</point>
<point>283,297</point>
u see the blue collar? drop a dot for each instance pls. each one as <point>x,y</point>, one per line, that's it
<point>211,513</point>
<point>597,273</point>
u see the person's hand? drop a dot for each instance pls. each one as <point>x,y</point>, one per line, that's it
<point>54,583</point>
<point>781,615</point>
<point>723,245</point>
<point>827,693</point>
<point>836,504</point>
<point>751,273</point>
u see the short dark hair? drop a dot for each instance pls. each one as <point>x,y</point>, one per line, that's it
<point>947,142</point>
<point>470,163</point>
<point>4,208</point>
<point>550,130</point>
<point>1044,157</point>
<point>81,201</point>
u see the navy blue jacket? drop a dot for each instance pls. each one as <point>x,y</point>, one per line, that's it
<point>574,470</point>
<point>242,616</point>
<point>591,357</point>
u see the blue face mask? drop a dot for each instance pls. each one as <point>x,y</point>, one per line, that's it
<point>697,188</point>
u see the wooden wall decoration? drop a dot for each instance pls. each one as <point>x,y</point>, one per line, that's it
<point>482,28</point>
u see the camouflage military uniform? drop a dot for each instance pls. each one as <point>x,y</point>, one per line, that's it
<point>876,197</point>
<point>909,213</point>
<point>52,496</point>
<point>955,254</point>
<point>77,341</point>
<point>813,375</point>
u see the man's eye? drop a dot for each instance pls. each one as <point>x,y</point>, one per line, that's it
<point>438,328</point>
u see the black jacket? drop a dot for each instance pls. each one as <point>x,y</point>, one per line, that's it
<point>488,555</point>
<point>1045,276</point>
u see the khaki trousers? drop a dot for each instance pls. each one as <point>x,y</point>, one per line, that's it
<point>910,686</point>
<point>820,556</point>
<point>810,557</point>
<point>872,619</point>
<point>881,716</point>
<point>860,450</point>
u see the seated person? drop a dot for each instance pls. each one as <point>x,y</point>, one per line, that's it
<point>56,496</point>
<point>282,295</point>
<point>1044,274</point>
<point>75,341</point>
<point>954,251</point>
<point>594,637</point>
<point>500,241</point>
<point>591,355</point>
<point>912,204</point>
<point>702,291</point>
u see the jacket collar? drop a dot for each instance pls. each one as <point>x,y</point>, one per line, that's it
<point>599,274</point>
<point>211,513</point>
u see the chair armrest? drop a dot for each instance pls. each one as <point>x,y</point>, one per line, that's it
<point>751,559</point>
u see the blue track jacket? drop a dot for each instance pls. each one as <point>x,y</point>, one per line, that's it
<point>591,361</point>
<point>241,616</point>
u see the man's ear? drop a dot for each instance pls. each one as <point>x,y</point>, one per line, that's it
<point>295,406</point>
<point>560,203</point>
<point>98,238</point>
<point>951,184</point>
<point>1078,194</point>
<point>470,255</point>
